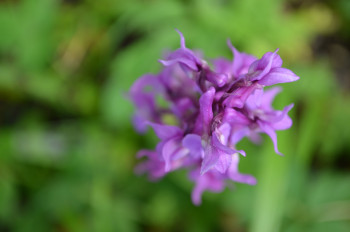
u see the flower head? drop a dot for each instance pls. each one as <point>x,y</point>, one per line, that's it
<point>214,108</point>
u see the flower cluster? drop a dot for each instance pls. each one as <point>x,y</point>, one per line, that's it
<point>200,112</point>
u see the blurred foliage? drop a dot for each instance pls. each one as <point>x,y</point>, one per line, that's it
<point>67,147</point>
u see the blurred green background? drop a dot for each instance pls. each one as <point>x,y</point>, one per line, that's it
<point>67,146</point>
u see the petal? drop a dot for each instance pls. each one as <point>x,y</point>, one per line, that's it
<point>222,65</point>
<point>206,111</point>
<point>197,192</point>
<point>271,133</point>
<point>234,116</point>
<point>211,157</point>
<point>234,174</point>
<point>279,115</point>
<point>187,62</point>
<point>266,59</point>
<point>223,132</point>
<point>261,67</point>
<point>286,110</point>
<point>283,124</point>
<point>241,61</point>
<point>239,133</point>
<point>147,81</point>
<point>278,75</point>
<point>218,79</point>
<point>143,94</point>
<point>223,163</point>
<point>237,59</point>
<point>239,96</point>
<point>183,107</point>
<point>182,38</point>
<point>193,142</point>
<point>152,165</point>
<point>206,102</point>
<point>243,178</point>
<point>255,137</point>
<point>209,182</point>
<point>254,100</point>
<point>268,97</point>
<point>284,121</point>
<point>172,151</point>
<point>165,132</point>
<point>146,153</point>
<point>218,145</point>
<point>183,56</point>
<point>139,123</point>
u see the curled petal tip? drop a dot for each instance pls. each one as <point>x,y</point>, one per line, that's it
<point>233,49</point>
<point>242,153</point>
<point>229,43</point>
<point>165,62</point>
<point>182,38</point>
<point>251,181</point>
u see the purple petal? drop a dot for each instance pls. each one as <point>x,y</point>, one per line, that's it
<point>211,157</point>
<point>143,82</point>
<point>222,65</point>
<point>266,59</point>
<point>239,133</point>
<point>278,75</point>
<point>283,122</point>
<point>208,181</point>
<point>278,115</point>
<point>261,67</point>
<point>243,178</point>
<point>165,132</point>
<point>239,96</point>
<point>183,56</point>
<point>285,111</point>
<point>254,100</point>
<point>182,38</point>
<point>153,165</point>
<point>193,142</point>
<point>205,103</point>
<point>139,123</point>
<point>255,137</point>
<point>146,153</point>
<point>187,62</point>
<point>168,151</point>
<point>182,107</point>
<point>223,132</point>
<point>217,144</point>
<point>271,133</point>
<point>268,97</point>
<point>241,61</point>
<point>234,116</point>
<point>223,163</point>
<point>218,79</point>
<point>234,174</point>
<point>143,93</point>
<point>206,111</point>
<point>237,59</point>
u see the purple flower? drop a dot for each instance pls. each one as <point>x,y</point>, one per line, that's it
<point>212,110</point>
